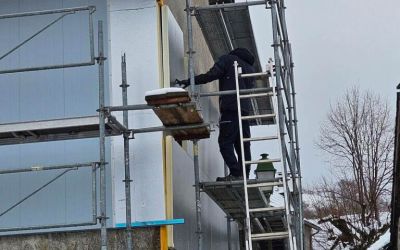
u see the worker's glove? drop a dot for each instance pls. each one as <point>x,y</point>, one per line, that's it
<point>182,83</point>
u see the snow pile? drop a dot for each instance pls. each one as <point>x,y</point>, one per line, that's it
<point>382,242</point>
<point>276,198</point>
<point>334,228</point>
<point>163,91</point>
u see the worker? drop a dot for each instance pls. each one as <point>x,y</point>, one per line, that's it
<point>229,134</point>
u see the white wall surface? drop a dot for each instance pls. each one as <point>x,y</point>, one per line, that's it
<point>134,30</point>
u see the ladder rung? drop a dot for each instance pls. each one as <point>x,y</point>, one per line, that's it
<point>266,209</point>
<point>265,184</point>
<point>256,95</point>
<point>265,138</point>
<point>253,117</point>
<point>262,161</point>
<point>254,74</point>
<point>270,236</point>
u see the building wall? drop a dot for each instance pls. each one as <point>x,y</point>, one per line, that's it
<point>131,27</point>
<point>48,94</point>
<point>146,238</point>
<point>135,31</point>
<point>395,206</point>
<point>214,225</point>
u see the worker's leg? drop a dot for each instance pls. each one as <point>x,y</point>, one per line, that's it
<point>247,153</point>
<point>228,131</point>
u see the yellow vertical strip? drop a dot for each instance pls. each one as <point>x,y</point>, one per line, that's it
<point>163,238</point>
<point>167,140</point>
<point>169,195</point>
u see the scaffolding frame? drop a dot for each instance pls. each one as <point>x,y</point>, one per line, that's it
<point>103,115</point>
<point>66,169</point>
<point>65,12</point>
<point>285,91</point>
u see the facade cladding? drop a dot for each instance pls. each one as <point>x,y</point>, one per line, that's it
<point>154,40</point>
<point>44,95</point>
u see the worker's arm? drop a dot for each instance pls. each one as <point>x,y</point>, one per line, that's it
<point>213,74</point>
<point>217,71</point>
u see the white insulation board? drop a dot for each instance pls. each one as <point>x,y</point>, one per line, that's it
<point>134,31</point>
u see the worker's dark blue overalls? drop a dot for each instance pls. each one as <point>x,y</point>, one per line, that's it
<point>229,135</point>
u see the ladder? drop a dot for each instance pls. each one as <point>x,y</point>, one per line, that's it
<point>290,233</point>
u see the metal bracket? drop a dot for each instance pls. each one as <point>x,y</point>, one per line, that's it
<point>100,59</point>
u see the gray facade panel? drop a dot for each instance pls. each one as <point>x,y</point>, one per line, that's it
<point>49,94</point>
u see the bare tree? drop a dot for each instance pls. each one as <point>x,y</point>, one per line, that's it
<point>358,135</point>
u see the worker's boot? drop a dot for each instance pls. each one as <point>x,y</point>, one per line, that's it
<point>230,178</point>
<point>212,2</point>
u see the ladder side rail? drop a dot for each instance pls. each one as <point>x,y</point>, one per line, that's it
<point>280,114</point>
<point>249,245</point>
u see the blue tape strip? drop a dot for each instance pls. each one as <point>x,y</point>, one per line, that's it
<point>153,223</point>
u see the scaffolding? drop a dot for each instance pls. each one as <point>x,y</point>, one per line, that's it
<point>100,126</point>
<point>222,26</point>
<point>241,201</point>
<point>65,129</point>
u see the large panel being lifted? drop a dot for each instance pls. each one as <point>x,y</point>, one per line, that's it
<point>58,129</point>
<point>228,28</point>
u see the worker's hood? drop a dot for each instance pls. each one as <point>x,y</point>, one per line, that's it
<point>243,54</point>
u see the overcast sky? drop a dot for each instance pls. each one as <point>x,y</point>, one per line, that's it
<point>336,44</point>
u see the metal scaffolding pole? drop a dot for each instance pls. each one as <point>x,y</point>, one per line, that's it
<point>190,45</point>
<point>281,111</point>
<point>290,67</point>
<point>102,116</point>
<point>167,129</point>
<point>126,135</point>
<point>299,176</point>
<point>228,218</point>
<point>197,190</point>
<point>48,12</point>
<point>287,120</point>
<point>293,123</point>
<point>195,142</point>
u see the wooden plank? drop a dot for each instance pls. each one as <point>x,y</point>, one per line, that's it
<point>178,115</point>
<point>190,134</point>
<point>183,113</point>
<point>168,98</point>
